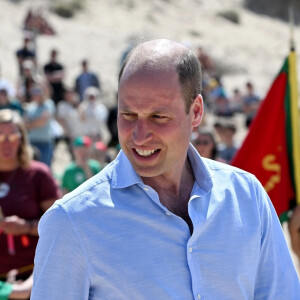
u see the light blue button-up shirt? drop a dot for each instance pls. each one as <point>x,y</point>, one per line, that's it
<point>112,239</point>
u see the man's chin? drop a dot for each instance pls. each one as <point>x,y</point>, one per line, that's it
<point>147,172</point>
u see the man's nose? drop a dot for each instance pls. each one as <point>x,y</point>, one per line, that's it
<point>142,132</point>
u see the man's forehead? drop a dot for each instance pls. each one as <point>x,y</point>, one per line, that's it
<point>157,55</point>
<point>149,73</point>
<point>147,82</point>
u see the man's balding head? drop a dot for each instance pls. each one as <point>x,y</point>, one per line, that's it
<point>165,55</point>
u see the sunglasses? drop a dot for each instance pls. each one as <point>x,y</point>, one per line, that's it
<point>202,142</point>
<point>11,137</point>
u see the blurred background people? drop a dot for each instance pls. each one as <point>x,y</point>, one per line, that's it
<point>222,106</point>
<point>100,153</point>
<point>54,72</point>
<point>251,103</point>
<point>26,81</point>
<point>236,101</point>
<point>206,61</point>
<point>7,85</point>
<point>16,289</point>
<point>86,79</point>
<point>204,141</point>
<point>68,117</point>
<point>27,190</point>
<point>7,102</point>
<point>94,114</point>
<point>215,91</point>
<point>82,168</point>
<point>112,124</point>
<point>26,52</point>
<point>38,117</point>
<point>227,147</point>
<point>36,22</point>
<point>294,229</point>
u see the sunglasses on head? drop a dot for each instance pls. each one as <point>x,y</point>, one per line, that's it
<point>11,137</point>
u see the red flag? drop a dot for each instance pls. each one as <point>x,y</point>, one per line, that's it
<point>265,152</point>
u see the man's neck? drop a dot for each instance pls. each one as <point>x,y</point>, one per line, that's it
<point>174,183</point>
<point>175,195</point>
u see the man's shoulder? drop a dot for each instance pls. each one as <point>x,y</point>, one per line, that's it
<point>224,169</point>
<point>91,189</point>
<point>235,181</point>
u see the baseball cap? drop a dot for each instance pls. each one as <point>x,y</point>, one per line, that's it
<point>82,141</point>
<point>100,146</point>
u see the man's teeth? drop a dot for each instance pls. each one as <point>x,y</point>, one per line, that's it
<point>145,152</point>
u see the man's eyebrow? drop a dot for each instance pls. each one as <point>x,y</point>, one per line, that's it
<point>124,108</point>
<point>162,110</point>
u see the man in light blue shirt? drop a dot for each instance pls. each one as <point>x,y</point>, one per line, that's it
<point>160,222</point>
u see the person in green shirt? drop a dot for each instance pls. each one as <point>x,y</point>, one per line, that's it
<point>16,290</point>
<point>7,103</point>
<point>82,168</point>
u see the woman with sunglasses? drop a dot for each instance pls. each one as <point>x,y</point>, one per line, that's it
<point>27,190</point>
<point>204,142</point>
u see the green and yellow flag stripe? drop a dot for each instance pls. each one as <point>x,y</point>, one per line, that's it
<point>295,124</point>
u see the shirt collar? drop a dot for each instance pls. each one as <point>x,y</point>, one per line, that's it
<point>124,175</point>
<point>203,174</point>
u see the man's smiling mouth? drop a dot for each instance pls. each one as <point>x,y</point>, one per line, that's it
<point>146,153</point>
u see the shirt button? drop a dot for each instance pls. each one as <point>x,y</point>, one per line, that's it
<point>190,249</point>
<point>146,189</point>
<point>199,296</point>
<point>168,213</point>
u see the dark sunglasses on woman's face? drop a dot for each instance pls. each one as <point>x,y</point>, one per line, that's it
<point>11,137</point>
<point>202,142</point>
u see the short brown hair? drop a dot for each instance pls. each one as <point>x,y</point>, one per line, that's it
<point>190,78</point>
<point>189,73</point>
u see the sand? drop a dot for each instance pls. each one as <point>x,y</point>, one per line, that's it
<point>253,50</point>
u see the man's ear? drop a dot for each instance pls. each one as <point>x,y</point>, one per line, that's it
<point>197,111</point>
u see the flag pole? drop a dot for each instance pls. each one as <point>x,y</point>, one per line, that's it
<point>294,105</point>
<point>292,25</point>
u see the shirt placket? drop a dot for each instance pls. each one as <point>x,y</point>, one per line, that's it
<point>193,255</point>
